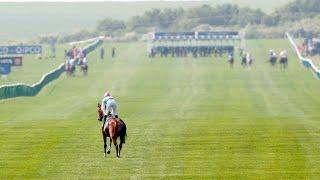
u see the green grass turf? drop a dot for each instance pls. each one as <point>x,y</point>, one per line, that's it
<point>25,20</point>
<point>187,118</point>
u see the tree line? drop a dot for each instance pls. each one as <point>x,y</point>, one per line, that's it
<point>221,16</point>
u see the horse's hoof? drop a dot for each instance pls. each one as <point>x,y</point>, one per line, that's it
<point>105,155</point>
<point>108,152</point>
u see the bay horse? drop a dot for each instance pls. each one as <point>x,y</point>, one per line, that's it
<point>84,69</point>
<point>83,66</point>
<point>116,129</point>
<point>70,68</point>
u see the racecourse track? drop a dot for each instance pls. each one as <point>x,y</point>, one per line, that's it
<point>187,118</point>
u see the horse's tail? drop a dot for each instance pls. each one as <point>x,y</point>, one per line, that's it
<point>112,129</point>
<point>123,132</point>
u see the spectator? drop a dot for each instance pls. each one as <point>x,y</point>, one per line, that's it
<point>101,53</point>
<point>113,52</point>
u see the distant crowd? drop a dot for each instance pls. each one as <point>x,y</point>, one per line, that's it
<point>75,56</point>
<point>185,51</point>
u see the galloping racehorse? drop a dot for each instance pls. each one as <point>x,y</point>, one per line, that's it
<point>283,60</point>
<point>231,59</point>
<point>273,60</point>
<point>84,69</point>
<point>116,128</point>
<point>70,67</point>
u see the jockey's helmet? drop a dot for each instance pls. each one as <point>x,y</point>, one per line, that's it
<point>107,93</point>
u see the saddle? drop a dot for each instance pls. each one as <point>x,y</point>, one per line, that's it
<point>106,119</point>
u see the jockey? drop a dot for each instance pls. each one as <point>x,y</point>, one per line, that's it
<point>72,63</point>
<point>283,54</point>
<point>248,59</point>
<point>84,61</point>
<point>230,56</point>
<point>109,106</point>
<point>283,58</point>
<point>271,53</point>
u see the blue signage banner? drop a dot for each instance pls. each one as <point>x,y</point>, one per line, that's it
<point>173,35</point>
<point>5,68</point>
<point>24,49</point>
<point>196,35</point>
<point>14,60</point>
<point>5,60</point>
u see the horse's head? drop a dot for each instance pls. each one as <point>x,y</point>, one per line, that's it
<point>100,112</point>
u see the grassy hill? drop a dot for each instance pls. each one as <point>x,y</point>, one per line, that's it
<point>187,118</point>
<point>25,20</point>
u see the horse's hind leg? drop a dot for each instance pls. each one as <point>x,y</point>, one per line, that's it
<point>117,148</point>
<point>120,147</point>
<point>105,142</point>
<point>116,145</point>
<point>109,146</point>
<point>118,152</point>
